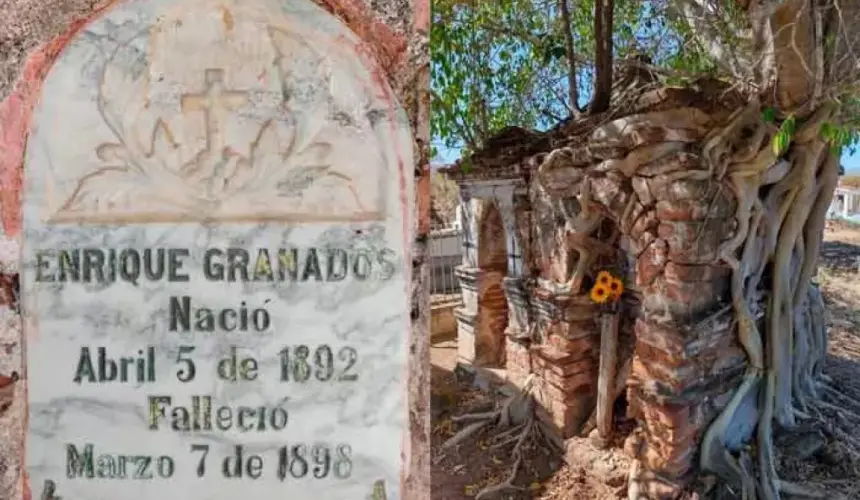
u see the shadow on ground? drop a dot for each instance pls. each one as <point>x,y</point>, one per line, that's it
<point>484,459</point>
<point>463,471</point>
<point>823,452</point>
<point>840,256</point>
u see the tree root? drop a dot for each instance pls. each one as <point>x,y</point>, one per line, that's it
<point>780,327</point>
<point>778,236</point>
<point>833,393</point>
<point>519,426</point>
<point>843,412</point>
<point>815,222</point>
<point>849,441</point>
<point>718,148</point>
<point>779,215</point>
<point>581,226</point>
<point>799,490</point>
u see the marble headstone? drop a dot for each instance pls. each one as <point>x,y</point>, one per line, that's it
<point>217,207</point>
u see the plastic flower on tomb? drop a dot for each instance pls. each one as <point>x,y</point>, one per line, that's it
<point>606,288</point>
<point>616,288</point>
<point>600,293</point>
<point>604,278</point>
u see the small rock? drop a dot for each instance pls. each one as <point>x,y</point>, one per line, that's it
<point>602,470</point>
<point>841,323</point>
<point>806,445</point>
<point>633,444</point>
<point>831,455</point>
<point>597,441</point>
<point>440,404</point>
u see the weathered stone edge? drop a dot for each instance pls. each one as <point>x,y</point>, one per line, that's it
<point>399,46</point>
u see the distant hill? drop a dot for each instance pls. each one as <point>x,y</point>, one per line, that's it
<point>851,179</point>
<point>444,196</point>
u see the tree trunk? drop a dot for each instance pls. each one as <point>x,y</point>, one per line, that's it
<point>603,56</point>
<point>711,215</point>
<point>570,51</point>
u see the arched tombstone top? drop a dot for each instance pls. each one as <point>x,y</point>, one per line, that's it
<point>267,86</point>
<point>213,182</point>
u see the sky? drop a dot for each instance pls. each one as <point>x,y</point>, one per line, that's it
<point>849,161</point>
<point>446,156</point>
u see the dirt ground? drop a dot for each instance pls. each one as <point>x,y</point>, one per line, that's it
<point>821,453</point>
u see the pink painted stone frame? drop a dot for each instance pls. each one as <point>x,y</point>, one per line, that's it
<point>384,51</point>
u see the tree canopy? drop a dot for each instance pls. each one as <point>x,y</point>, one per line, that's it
<point>534,63</point>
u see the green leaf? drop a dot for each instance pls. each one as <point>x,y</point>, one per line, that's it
<point>498,64</point>
<point>826,132</point>
<point>789,125</point>
<point>466,165</point>
<point>768,115</point>
<point>780,143</point>
<point>842,137</point>
<point>559,52</point>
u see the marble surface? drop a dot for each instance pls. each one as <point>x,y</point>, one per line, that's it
<point>246,125</point>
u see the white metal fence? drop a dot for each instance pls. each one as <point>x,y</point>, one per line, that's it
<point>446,253</point>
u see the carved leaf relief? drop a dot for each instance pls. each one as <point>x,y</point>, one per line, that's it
<point>286,172</point>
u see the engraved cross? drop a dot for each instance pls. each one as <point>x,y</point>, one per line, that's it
<point>215,102</point>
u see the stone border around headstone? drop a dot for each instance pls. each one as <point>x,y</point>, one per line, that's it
<point>395,34</point>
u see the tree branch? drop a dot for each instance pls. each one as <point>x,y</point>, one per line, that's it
<point>465,134</point>
<point>706,27</point>
<point>571,59</point>
<point>602,94</point>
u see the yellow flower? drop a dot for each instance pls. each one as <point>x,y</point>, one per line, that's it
<point>604,278</point>
<point>606,288</point>
<point>599,293</point>
<point>616,288</point>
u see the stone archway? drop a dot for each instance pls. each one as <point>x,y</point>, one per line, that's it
<point>492,305</point>
<point>491,267</point>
